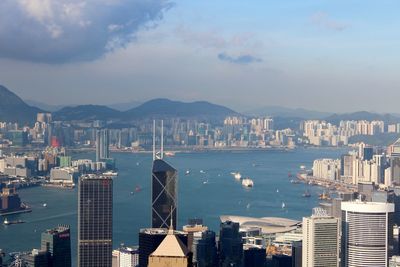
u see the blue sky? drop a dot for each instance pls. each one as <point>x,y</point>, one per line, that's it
<point>324,55</point>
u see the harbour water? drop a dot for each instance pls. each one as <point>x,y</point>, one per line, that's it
<point>220,194</point>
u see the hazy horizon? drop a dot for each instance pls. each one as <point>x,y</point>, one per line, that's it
<point>323,56</point>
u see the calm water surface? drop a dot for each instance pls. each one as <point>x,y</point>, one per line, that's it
<point>222,194</point>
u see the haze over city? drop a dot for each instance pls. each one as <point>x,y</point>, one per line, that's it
<point>335,56</point>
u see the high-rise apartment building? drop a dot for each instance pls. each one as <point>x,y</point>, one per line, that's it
<point>102,145</point>
<point>95,201</point>
<point>367,233</point>
<point>57,241</point>
<point>164,194</point>
<point>320,240</point>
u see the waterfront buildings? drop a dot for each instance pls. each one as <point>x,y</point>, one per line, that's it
<point>367,233</point>
<point>320,245</point>
<point>57,242</point>
<point>10,201</point>
<point>164,194</point>
<point>327,169</point>
<point>95,206</point>
<point>102,145</point>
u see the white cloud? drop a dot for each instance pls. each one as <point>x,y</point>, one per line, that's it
<point>58,31</point>
<point>322,19</point>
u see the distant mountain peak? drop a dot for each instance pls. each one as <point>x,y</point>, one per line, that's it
<point>14,109</point>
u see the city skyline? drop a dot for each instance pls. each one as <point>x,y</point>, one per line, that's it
<point>326,56</point>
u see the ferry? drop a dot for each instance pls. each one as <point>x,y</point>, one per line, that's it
<point>247,182</point>
<point>324,196</point>
<point>237,175</point>
<point>169,154</point>
<point>307,194</point>
<point>110,173</point>
<point>7,222</point>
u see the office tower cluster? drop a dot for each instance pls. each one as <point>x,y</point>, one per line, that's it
<point>55,250</point>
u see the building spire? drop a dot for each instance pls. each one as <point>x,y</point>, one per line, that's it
<point>171,224</point>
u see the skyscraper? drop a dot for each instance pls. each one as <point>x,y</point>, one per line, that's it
<point>171,252</point>
<point>320,240</point>
<point>367,233</point>
<point>230,245</point>
<point>150,239</point>
<point>164,194</point>
<point>57,241</point>
<point>204,249</point>
<point>95,221</point>
<point>102,145</point>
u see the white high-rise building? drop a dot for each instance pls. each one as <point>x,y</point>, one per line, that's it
<point>367,233</point>
<point>320,240</point>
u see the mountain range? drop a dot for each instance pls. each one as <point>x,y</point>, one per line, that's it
<point>14,109</point>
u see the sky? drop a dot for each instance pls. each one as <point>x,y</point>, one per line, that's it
<point>336,56</point>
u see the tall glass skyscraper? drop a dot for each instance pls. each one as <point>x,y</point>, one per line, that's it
<point>102,145</point>
<point>95,221</point>
<point>57,241</point>
<point>164,194</point>
<point>230,245</point>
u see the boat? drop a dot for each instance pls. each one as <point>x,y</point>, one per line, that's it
<point>187,172</point>
<point>138,188</point>
<point>290,175</point>
<point>44,205</point>
<point>110,173</point>
<point>237,175</point>
<point>277,190</point>
<point>324,196</point>
<point>307,194</point>
<point>7,222</point>
<point>283,205</point>
<point>302,167</point>
<point>205,182</point>
<point>201,171</point>
<point>169,154</point>
<point>294,181</point>
<point>247,182</point>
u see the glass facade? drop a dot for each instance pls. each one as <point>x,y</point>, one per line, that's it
<point>164,194</point>
<point>58,242</point>
<point>95,221</point>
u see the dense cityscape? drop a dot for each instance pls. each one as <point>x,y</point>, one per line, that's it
<point>359,186</point>
<point>173,133</point>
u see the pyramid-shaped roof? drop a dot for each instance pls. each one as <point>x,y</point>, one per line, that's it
<point>171,246</point>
